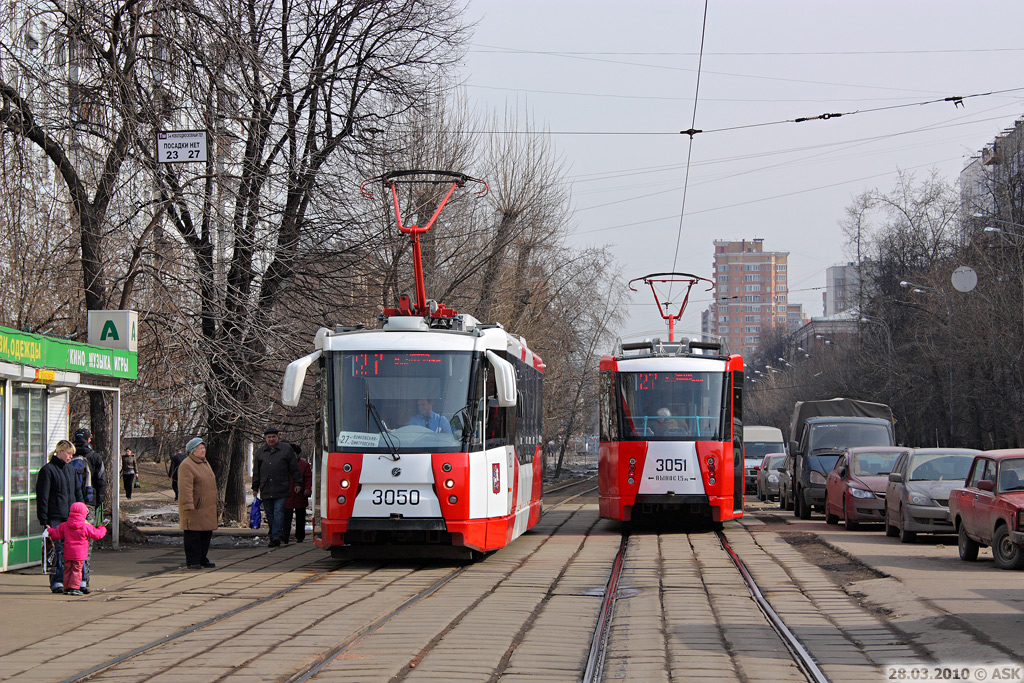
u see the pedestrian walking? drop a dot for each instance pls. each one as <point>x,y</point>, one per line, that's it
<point>274,469</point>
<point>76,534</point>
<point>57,489</point>
<point>197,504</point>
<point>172,471</point>
<point>298,501</point>
<point>129,471</point>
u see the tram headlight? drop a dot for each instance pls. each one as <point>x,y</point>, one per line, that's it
<point>711,462</point>
<point>453,499</point>
<point>347,467</point>
<point>342,500</point>
<point>632,461</point>
<point>344,483</point>
<point>711,481</point>
<point>447,467</point>
<point>448,483</point>
<point>630,480</point>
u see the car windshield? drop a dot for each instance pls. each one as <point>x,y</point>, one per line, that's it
<point>399,401</point>
<point>823,463</point>
<point>759,449</point>
<point>1011,475</point>
<point>940,466</point>
<point>840,435</point>
<point>868,464</point>
<point>774,461</point>
<point>671,406</point>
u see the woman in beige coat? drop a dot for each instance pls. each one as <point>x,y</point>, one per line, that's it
<point>197,504</point>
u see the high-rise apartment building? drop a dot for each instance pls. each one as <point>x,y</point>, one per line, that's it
<point>842,286</point>
<point>751,296</point>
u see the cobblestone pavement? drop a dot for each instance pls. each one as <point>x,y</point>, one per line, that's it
<point>526,612</point>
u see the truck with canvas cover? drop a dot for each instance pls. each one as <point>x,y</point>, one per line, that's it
<point>819,432</point>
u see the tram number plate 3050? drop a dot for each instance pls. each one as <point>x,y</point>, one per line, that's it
<point>395,497</point>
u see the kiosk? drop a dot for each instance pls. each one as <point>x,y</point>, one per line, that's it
<point>37,374</point>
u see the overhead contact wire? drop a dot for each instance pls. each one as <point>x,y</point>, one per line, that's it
<point>689,151</point>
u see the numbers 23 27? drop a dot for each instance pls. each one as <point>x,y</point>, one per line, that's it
<point>172,154</point>
<point>670,465</point>
<point>395,497</point>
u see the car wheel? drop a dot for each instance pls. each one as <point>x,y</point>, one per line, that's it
<point>796,503</point>
<point>805,509</point>
<point>904,536</point>
<point>1006,553</point>
<point>967,546</point>
<point>890,530</point>
<point>782,500</point>
<point>829,517</point>
<point>847,522</point>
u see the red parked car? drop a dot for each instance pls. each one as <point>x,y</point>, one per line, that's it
<point>855,488</point>
<point>989,509</point>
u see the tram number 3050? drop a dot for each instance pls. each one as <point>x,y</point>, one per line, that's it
<point>670,465</point>
<point>395,497</point>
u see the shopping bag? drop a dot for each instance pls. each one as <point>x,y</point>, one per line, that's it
<point>255,515</point>
<point>137,484</point>
<point>49,551</point>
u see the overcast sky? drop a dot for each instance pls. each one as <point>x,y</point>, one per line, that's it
<point>615,82</point>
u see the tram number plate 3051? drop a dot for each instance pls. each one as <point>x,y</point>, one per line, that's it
<point>395,497</point>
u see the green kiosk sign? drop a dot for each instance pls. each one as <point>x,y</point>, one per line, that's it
<point>62,354</point>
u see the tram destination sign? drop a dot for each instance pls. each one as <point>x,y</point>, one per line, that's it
<point>180,146</point>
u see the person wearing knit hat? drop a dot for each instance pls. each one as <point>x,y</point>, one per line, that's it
<point>197,504</point>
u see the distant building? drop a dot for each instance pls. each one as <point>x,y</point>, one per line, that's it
<point>820,334</point>
<point>841,289</point>
<point>751,294</point>
<point>999,159</point>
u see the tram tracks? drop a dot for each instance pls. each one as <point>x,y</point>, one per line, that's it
<point>595,666</point>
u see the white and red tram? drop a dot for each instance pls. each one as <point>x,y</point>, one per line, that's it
<point>431,426</point>
<point>671,429</point>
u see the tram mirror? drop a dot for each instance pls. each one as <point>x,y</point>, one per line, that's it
<point>294,376</point>
<point>504,379</point>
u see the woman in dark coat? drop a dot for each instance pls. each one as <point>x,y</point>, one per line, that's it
<point>197,504</point>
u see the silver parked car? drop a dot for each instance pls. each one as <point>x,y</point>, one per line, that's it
<point>917,496</point>
<point>768,476</point>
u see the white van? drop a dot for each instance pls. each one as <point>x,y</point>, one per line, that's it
<point>759,441</point>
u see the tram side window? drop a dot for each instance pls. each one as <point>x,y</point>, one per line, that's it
<point>609,423</point>
<point>528,412</point>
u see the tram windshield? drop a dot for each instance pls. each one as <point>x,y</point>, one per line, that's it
<point>399,401</point>
<point>671,406</point>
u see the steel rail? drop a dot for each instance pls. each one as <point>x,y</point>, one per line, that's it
<point>598,646</point>
<point>796,648</point>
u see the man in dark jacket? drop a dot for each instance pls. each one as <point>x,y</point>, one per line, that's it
<point>94,476</point>
<point>83,447</point>
<point>274,468</point>
<point>57,488</point>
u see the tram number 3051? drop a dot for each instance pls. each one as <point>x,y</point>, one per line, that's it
<point>395,497</point>
<point>670,465</point>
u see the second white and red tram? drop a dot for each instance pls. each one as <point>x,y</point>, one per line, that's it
<point>671,432</point>
<point>430,427</point>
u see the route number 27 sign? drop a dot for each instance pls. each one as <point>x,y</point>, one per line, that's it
<point>180,146</point>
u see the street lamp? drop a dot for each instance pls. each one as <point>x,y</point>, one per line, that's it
<point>1012,238</point>
<point>931,291</point>
<point>888,333</point>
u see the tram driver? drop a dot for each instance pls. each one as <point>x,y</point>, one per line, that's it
<point>426,417</point>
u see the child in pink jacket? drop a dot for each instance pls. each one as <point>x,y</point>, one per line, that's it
<point>76,533</point>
